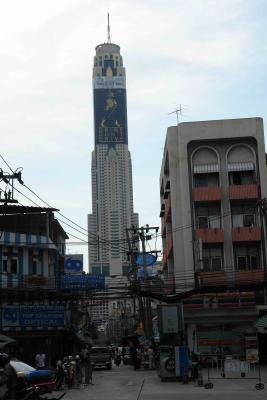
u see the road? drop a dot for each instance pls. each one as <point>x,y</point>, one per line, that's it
<point>125,384</point>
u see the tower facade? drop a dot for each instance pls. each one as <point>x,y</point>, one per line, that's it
<point>111,170</point>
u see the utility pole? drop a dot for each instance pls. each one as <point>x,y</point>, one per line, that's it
<point>139,299</point>
<point>9,180</point>
<point>143,234</point>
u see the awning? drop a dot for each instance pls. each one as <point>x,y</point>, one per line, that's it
<point>205,168</point>
<point>261,322</point>
<point>5,340</point>
<point>241,166</point>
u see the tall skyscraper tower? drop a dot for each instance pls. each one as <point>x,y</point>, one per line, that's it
<point>111,170</point>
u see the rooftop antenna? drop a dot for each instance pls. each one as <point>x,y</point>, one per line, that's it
<point>109,39</point>
<point>177,111</point>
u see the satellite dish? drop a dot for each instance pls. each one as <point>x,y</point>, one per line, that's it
<point>147,259</point>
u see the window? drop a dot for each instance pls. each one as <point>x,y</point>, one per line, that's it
<point>212,258</point>
<point>249,220</point>
<point>206,180</point>
<point>14,266</point>
<point>241,178</point>
<point>247,258</point>
<point>96,270</point>
<point>243,216</point>
<point>208,217</point>
<point>5,265</point>
<point>34,267</point>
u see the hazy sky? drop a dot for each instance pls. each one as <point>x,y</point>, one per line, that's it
<point>209,55</point>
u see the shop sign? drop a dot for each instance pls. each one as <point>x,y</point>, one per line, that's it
<point>82,281</point>
<point>33,316</point>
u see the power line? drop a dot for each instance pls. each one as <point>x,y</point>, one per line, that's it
<point>102,241</point>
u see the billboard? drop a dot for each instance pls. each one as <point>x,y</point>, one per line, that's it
<point>83,281</point>
<point>73,264</point>
<point>110,112</point>
<point>33,316</point>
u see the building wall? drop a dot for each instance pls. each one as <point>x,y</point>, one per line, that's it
<point>181,141</point>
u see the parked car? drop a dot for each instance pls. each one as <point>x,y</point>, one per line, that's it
<point>100,357</point>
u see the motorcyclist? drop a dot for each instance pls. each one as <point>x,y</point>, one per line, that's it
<point>8,377</point>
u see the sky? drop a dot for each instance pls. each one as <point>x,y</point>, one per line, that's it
<point>208,55</point>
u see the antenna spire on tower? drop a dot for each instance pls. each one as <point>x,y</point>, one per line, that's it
<point>109,39</point>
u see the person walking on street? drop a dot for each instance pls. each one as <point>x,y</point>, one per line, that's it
<point>117,358</point>
<point>87,369</point>
<point>151,355</point>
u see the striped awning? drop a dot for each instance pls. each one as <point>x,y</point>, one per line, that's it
<point>261,322</point>
<point>205,168</point>
<point>241,166</point>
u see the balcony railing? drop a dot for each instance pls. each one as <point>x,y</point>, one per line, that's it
<point>215,235</point>
<point>212,193</point>
<point>243,192</point>
<point>230,278</point>
<point>246,234</point>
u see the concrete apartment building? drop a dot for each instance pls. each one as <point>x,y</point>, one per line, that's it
<point>213,178</point>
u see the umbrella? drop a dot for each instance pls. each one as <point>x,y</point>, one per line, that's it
<point>5,340</point>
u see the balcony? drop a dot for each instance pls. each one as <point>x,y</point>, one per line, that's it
<point>249,277</point>
<point>217,278</point>
<point>212,193</point>
<point>243,192</point>
<point>246,234</point>
<point>215,235</point>
<point>231,278</point>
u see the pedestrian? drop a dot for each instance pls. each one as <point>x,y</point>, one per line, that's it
<point>117,358</point>
<point>87,369</point>
<point>136,355</point>
<point>8,378</point>
<point>151,360</point>
<point>40,360</point>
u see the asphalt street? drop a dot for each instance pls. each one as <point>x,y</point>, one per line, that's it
<point>125,384</point>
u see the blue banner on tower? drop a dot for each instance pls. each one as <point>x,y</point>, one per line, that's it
<point>110,111</point>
